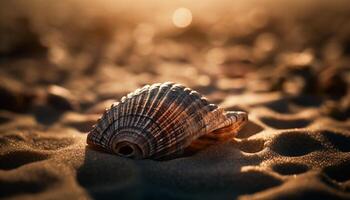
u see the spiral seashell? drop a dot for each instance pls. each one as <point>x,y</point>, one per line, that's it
<point>162,119</point>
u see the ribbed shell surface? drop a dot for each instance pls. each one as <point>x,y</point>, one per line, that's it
<point>168,116</point>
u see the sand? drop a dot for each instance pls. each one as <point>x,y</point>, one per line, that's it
<point>276,156</point>
<point>291,76</point>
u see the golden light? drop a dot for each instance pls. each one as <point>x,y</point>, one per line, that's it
<point>182,17</point>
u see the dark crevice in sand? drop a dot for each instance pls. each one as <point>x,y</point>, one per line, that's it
<point>290,168</point>
<point>340,172</point>
<point>250,129</point>
<point>338,140</point>
<point>18,158</point>
<point>340,115</point>
<point>294,144</point>
<point>285,124</point>
<point>280,106</point>
<point>251,146</point>
<point>308,101</point>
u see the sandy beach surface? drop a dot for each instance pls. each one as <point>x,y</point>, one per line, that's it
<point>290,73</point>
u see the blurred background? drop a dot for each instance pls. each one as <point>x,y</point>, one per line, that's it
<point>71,54</point>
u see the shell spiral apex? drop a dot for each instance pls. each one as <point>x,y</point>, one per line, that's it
<point>161,119</point>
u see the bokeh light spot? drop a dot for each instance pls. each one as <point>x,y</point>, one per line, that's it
<point>182,17</point>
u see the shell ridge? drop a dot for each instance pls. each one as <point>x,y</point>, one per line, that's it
<point>129,107</point>
<point>153,95</point>
<point>173,107</point>
<point>180,140</point>
<point>160,91</point>
<point>123,130</point>
<point>104,126</point>
<point>107,122</point>
<point>159,100</point>
<point>126,131</point>
<point>215,120</point>
<point>172,91</point>
<point>169,121</point>
<point>180,105</point>
<point>132,108</point>
<point>178,131</point>
<point>160,108</point>
<point>130,111</point>
<point>116,130</point>
<point>116,115</point>
<point>100,127</point>
<point>124,108</point>
<point>148,103</point>
<point>185,112</point>
<point>202,128</point>
<point>186,122</point>
<point>140,107</point>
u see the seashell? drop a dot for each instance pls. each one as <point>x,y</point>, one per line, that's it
<point>162,119</point>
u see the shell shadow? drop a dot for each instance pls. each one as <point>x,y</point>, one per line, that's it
<point>214,172</point>
<point>250,129</point>
<point>107,176</point>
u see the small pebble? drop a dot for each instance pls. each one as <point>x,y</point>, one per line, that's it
<point>61,98</point>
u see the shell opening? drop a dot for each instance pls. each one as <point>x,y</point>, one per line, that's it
<point>125,150</point>
<point>128,150</point>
